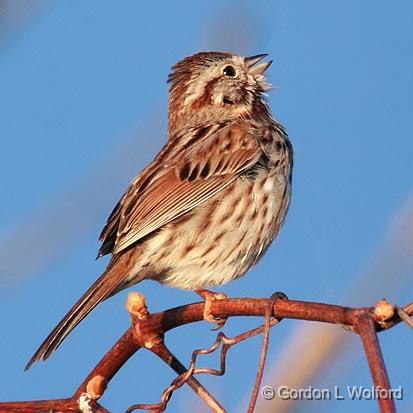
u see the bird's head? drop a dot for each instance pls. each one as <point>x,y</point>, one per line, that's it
<point>215,86</point>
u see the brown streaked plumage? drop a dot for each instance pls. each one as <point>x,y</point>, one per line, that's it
<point>208,206</point>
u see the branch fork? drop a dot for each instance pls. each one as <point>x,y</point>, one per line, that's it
<point>147,331</point>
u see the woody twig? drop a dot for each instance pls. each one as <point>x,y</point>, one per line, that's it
<point>147,332</point>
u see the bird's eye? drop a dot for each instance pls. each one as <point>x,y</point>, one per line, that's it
<point>230,71</point>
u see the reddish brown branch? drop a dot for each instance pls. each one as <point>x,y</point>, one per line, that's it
<point>187,374</point>
<point>163,353</point>
<point>112,361</point>
<point>147,331</point>
<point>184,376</point>
<point>46,406</point>
<point>367,330</point>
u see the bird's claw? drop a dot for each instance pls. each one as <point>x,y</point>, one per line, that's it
<point>209,297</point>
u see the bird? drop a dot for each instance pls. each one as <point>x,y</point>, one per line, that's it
<point>208,206</point>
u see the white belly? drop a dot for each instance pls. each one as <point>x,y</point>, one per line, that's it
<point>223,238</point>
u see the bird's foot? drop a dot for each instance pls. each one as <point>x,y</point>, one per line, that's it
<point>209,297</point>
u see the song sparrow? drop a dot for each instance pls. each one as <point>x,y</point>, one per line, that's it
<point>208,206</point>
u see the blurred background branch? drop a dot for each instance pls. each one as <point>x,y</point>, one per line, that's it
<point>15,15</point>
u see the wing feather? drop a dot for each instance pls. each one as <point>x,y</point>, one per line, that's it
<point>187,180</point>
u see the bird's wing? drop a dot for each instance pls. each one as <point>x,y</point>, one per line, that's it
<point>199,170</point>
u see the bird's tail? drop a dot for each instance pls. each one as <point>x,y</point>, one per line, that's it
<point>106,285</point>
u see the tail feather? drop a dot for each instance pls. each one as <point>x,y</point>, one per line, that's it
<point>106,285</point>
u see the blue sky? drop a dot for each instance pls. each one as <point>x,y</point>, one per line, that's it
<point>83,109</point>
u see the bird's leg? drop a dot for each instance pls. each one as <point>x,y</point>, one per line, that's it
<point>209,297</point>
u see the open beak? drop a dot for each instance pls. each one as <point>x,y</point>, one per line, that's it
<point>261,68</point>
